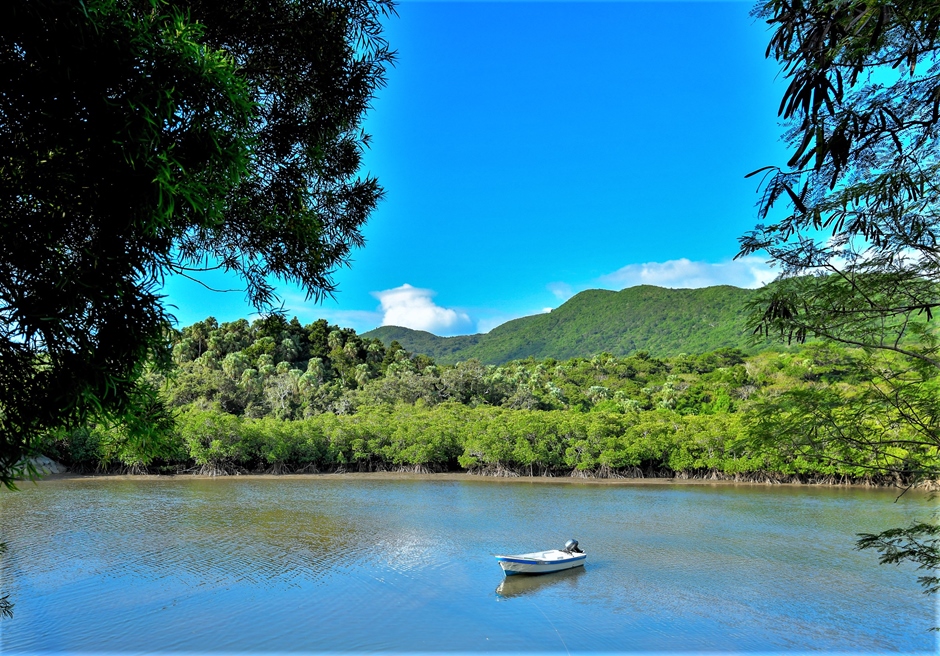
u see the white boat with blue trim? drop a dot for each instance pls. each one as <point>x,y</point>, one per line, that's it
<point>543,562</point>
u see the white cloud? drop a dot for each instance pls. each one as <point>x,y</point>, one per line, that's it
<point>747,272</point>
<point>561,290</point>
<point>412,307</point>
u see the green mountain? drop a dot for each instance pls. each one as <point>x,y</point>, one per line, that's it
<point>661,321</point>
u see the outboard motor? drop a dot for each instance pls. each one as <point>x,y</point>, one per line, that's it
<point>571,546</point>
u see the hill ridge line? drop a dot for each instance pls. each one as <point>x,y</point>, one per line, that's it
<point>640,318</point>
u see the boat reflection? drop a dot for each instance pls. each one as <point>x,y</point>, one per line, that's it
<point>523,584</point>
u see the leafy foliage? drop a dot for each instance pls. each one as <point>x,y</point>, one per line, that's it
<point>917,543</point>
<point>858,252</point>
<point>311,69</point>
<point>143,137</point>
<point>857,244</point>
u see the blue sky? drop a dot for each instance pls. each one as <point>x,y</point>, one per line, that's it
<point>533,150</point>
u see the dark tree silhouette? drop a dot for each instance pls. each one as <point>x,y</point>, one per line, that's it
<point>140,138</point>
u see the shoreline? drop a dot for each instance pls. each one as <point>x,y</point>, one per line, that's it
<point>467,477</point>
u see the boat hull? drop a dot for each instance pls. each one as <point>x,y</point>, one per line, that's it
<point>540,563</point>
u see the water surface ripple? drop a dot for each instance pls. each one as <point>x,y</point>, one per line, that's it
<point>335,564</point>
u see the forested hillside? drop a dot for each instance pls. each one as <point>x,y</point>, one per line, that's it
<point>446,350</point>
<point>663,322</point>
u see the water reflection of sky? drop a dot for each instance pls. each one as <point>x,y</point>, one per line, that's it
<point>345,564</point>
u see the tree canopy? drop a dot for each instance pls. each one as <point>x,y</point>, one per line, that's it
<point>858,245</point>
<point>857,239</point>
<point>140,138</point>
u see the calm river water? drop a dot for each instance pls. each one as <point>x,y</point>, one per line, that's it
<point>352,564</point>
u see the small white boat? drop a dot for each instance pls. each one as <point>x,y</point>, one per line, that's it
<point>543,562</point>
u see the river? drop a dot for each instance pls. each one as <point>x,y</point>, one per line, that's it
<point>337,563</point>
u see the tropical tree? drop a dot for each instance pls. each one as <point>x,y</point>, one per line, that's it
<point>857,238</point>
<point>140,138</point>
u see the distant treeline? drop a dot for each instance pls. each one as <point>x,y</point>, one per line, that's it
<point>274,396</point>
